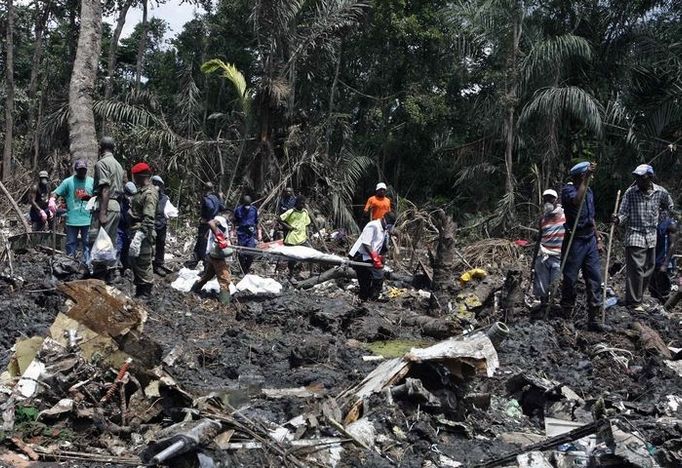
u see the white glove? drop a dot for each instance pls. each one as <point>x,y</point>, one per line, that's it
<point>135,244</point>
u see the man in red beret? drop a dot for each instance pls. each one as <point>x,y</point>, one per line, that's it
<point>141,230</point>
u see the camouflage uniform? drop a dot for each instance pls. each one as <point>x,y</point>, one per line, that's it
<point>142,214</point>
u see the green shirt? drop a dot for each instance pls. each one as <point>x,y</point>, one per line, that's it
<point>76,214</point>
<point>299,221</point>
<point>143,211</point>
<point>109,172</point>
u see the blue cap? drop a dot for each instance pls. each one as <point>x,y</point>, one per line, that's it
<point>580,168</point>
<point>643,169</point>
<point>130,188</point>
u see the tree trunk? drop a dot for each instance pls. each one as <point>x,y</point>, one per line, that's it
<point>113,49</point>
<point>42,17</point>
<point>82,133</point>
<point>142,46</point>
<point>444,262</point>
<point>510,116</point>
<point>9,102</point>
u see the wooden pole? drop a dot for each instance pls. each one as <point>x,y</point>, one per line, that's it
<point>608,261</point>
<point>15,206</point>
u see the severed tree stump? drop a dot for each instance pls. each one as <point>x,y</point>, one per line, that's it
<point>443,264</point>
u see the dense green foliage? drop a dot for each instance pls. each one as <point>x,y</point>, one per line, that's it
<point>474,105</point>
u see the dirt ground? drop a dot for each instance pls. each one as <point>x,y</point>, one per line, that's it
<point>318,338</point>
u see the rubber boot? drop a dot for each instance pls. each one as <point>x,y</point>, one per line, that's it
<point>224,297</point>
<point>196,287</point>
<point>593,320</point>
<point>567,311</point>
<point>160,271</point>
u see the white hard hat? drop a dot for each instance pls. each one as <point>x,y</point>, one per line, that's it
<point>550,192</point>
<point>221,221</point>
<point>380,185</point>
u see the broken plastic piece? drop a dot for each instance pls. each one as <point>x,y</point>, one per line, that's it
<point>203,432</point>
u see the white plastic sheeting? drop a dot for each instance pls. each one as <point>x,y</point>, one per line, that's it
<point>258,285</point>
<point>187,277</point>
<point>301,252</point>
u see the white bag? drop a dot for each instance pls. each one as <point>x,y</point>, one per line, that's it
<point>103,250</point>
<point>170,211</point>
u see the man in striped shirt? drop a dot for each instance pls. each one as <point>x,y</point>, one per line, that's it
<point>639,212</point>
<point>547,265</point>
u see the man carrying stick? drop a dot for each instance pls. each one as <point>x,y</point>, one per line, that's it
<point>639,212</point>
<point>580,250</point>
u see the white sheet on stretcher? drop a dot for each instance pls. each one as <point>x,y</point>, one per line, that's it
<point>301,252</point>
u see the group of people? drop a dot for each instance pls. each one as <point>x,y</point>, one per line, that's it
<point>130,213</point>
<point>569,242</point>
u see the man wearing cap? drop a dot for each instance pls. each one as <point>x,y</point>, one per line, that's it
<point>639,213</point>
<point>142,233</point>
<point>108,188</point>
<point>216,266</point>
<point>577,201</point>
<point>41,212</point>
<point>76,191</point>
<point>160,226</point>
<point>370,248</point>
<point>378,204</point>
<point>246,221</point>
<point>547,264</point>
<point>210,206</point>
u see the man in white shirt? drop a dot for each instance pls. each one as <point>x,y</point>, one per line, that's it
<point>369,248</point>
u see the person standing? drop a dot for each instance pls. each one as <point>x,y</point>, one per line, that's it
<point>108,188</point>
<point>288,200</point>
<point>123,241</point>
<point>246,222</point>
<point>666,240</point>
<point>583,253</point>
<point>378,204</point>
<point>296,221</point>
<point>547,257</point>
<point>76,191</point>
<point>142,233</point>
<point>209,207</point>
<point>639,213</point>
<point>160,226</point>
<point>216,265</point>
<point>41,213</point>
<point>370,248</point>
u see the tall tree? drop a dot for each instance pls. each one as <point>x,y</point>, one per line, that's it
<point>113,48</point>
<point>82,133</point>
<point>142,46</point>
<point>41,18</point>
<point>9,101</point>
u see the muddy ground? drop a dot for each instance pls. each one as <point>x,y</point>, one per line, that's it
<point>319,337</point>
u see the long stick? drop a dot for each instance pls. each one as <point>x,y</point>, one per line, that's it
<point>568,247</point>
<point>608,261</point>
<point>15,206</point>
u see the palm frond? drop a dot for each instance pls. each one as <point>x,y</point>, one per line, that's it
<point>234,76</point>
<point>552,53</point>
<point>558,101</point>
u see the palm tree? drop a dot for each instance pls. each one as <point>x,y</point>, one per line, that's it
<point>82,134</point>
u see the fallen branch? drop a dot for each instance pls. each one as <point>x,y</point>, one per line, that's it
<point>16,207</point>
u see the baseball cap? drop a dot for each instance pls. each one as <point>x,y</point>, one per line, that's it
<point>550,192</point>
<point>580,168</point>
<point>43,175</point>
<point>380,185</point>
<point>643,169</point>
<point>130,188</point>
<point>158,180</point>
<point>80,164</point>
<point>141,168</point>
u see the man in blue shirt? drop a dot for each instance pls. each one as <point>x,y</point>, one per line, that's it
<point>666,238</point>
<point>583,253</point>
<point>76,190</point>
<point>246,220</point>
<point>209,207</point>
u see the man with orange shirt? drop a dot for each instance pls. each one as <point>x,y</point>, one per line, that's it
<point>379,204</point>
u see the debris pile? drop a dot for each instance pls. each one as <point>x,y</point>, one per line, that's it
<point>308,377</point>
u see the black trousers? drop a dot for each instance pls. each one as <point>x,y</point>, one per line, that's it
<point>370,280</point>
<point>160,251</point>
<point>202,241</point>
